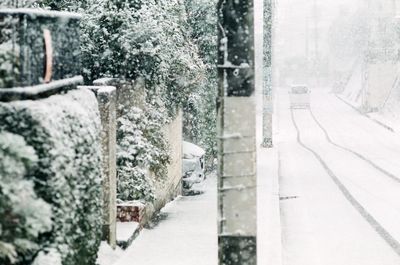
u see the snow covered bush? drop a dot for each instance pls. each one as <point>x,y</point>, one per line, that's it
<point>65,5</point>
<point>48,257</point>
<point>17,3</point>
<point>8,68</point>
<point>200,115</point>
<point>64,131</point>
<point>141,146</point>
<point>8,58</point>
<point>153,40</point>
<point>24,216</point>
<point>142,38</point>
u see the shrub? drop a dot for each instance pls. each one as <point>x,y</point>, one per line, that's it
<point>63,130</point>
<point>141,145</point>
<point>200,117</point>
<point>146,39</point>
<point>24,216</point>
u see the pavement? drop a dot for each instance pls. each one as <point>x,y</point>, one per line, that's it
<point>185,232</point>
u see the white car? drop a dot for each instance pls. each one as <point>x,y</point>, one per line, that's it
<point>192,165</point>
<point>299,97</point>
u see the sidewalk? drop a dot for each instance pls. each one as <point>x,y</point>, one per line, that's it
<point>185,235</point>
<point>268,209</point>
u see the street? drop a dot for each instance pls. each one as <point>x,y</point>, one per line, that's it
<point>339,186</point>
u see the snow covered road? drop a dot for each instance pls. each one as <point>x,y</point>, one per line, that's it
<point>339,186</point>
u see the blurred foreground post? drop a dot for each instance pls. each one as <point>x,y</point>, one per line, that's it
<point>236,135</point>
<point>267,76</point>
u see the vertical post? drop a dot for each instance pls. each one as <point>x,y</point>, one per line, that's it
<point>236,135</point>
<point>267,76</point>
<point>316,39</point>
<point>107,100</point>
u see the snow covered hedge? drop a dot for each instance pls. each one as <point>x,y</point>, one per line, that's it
<point>20,223</point>
<point>57,158</point>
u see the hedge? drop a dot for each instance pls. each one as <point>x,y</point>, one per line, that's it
<point>63,131</point>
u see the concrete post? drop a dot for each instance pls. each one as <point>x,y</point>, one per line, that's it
<point>236,135</point>
<point>129,93</point>
<point>107,100</point>
<point>267,76</point>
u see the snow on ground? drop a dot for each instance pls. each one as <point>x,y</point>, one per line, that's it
<point>268,214</point>
<point>390,112</point>
<point>353,90</point>
<point>107,255</point>
<point>343,205</point>
<point>185,235</point>
<point>125,230</point>
<point>187,231</point>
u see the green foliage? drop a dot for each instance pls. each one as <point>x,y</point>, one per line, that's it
<point>141,145</point>
<point>24,216</point>
<point>8,68</point>
<point>147,39</point>
<point>63,131</point>
<point>137,38</point>
<point>65,5</point>
<point>8,59</point>
<point>200,108</point>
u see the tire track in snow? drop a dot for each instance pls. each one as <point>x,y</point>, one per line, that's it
<point>368,161</point>
<point>382,232</point>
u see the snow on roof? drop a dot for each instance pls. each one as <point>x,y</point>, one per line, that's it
<point>192,149</point>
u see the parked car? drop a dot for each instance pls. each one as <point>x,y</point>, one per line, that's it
<point>299,97</point>
<point>192,165</point>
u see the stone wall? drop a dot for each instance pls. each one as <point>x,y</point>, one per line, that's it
<point>171,187</point>
<point>134,95</point>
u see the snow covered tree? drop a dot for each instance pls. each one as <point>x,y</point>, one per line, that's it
<point>65,5</point>
<point>147,39</point>
<point>18,3</point>
<point>200,108</point>
<point>142,39</point>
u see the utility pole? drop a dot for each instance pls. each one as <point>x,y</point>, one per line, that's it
<point>307,48</point>
<point>316,59</point>
<point>237,179</point>
<point>267,75</point>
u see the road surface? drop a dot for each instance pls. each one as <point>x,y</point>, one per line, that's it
<point>339,185</point>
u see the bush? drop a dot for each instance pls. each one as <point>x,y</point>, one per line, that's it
<point>141,146</point>
<point>63,131</point>
<point>24,216</point>
<point>142,38</point>
<point>200,117</point>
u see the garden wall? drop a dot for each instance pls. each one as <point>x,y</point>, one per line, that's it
<point>168,189</point>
